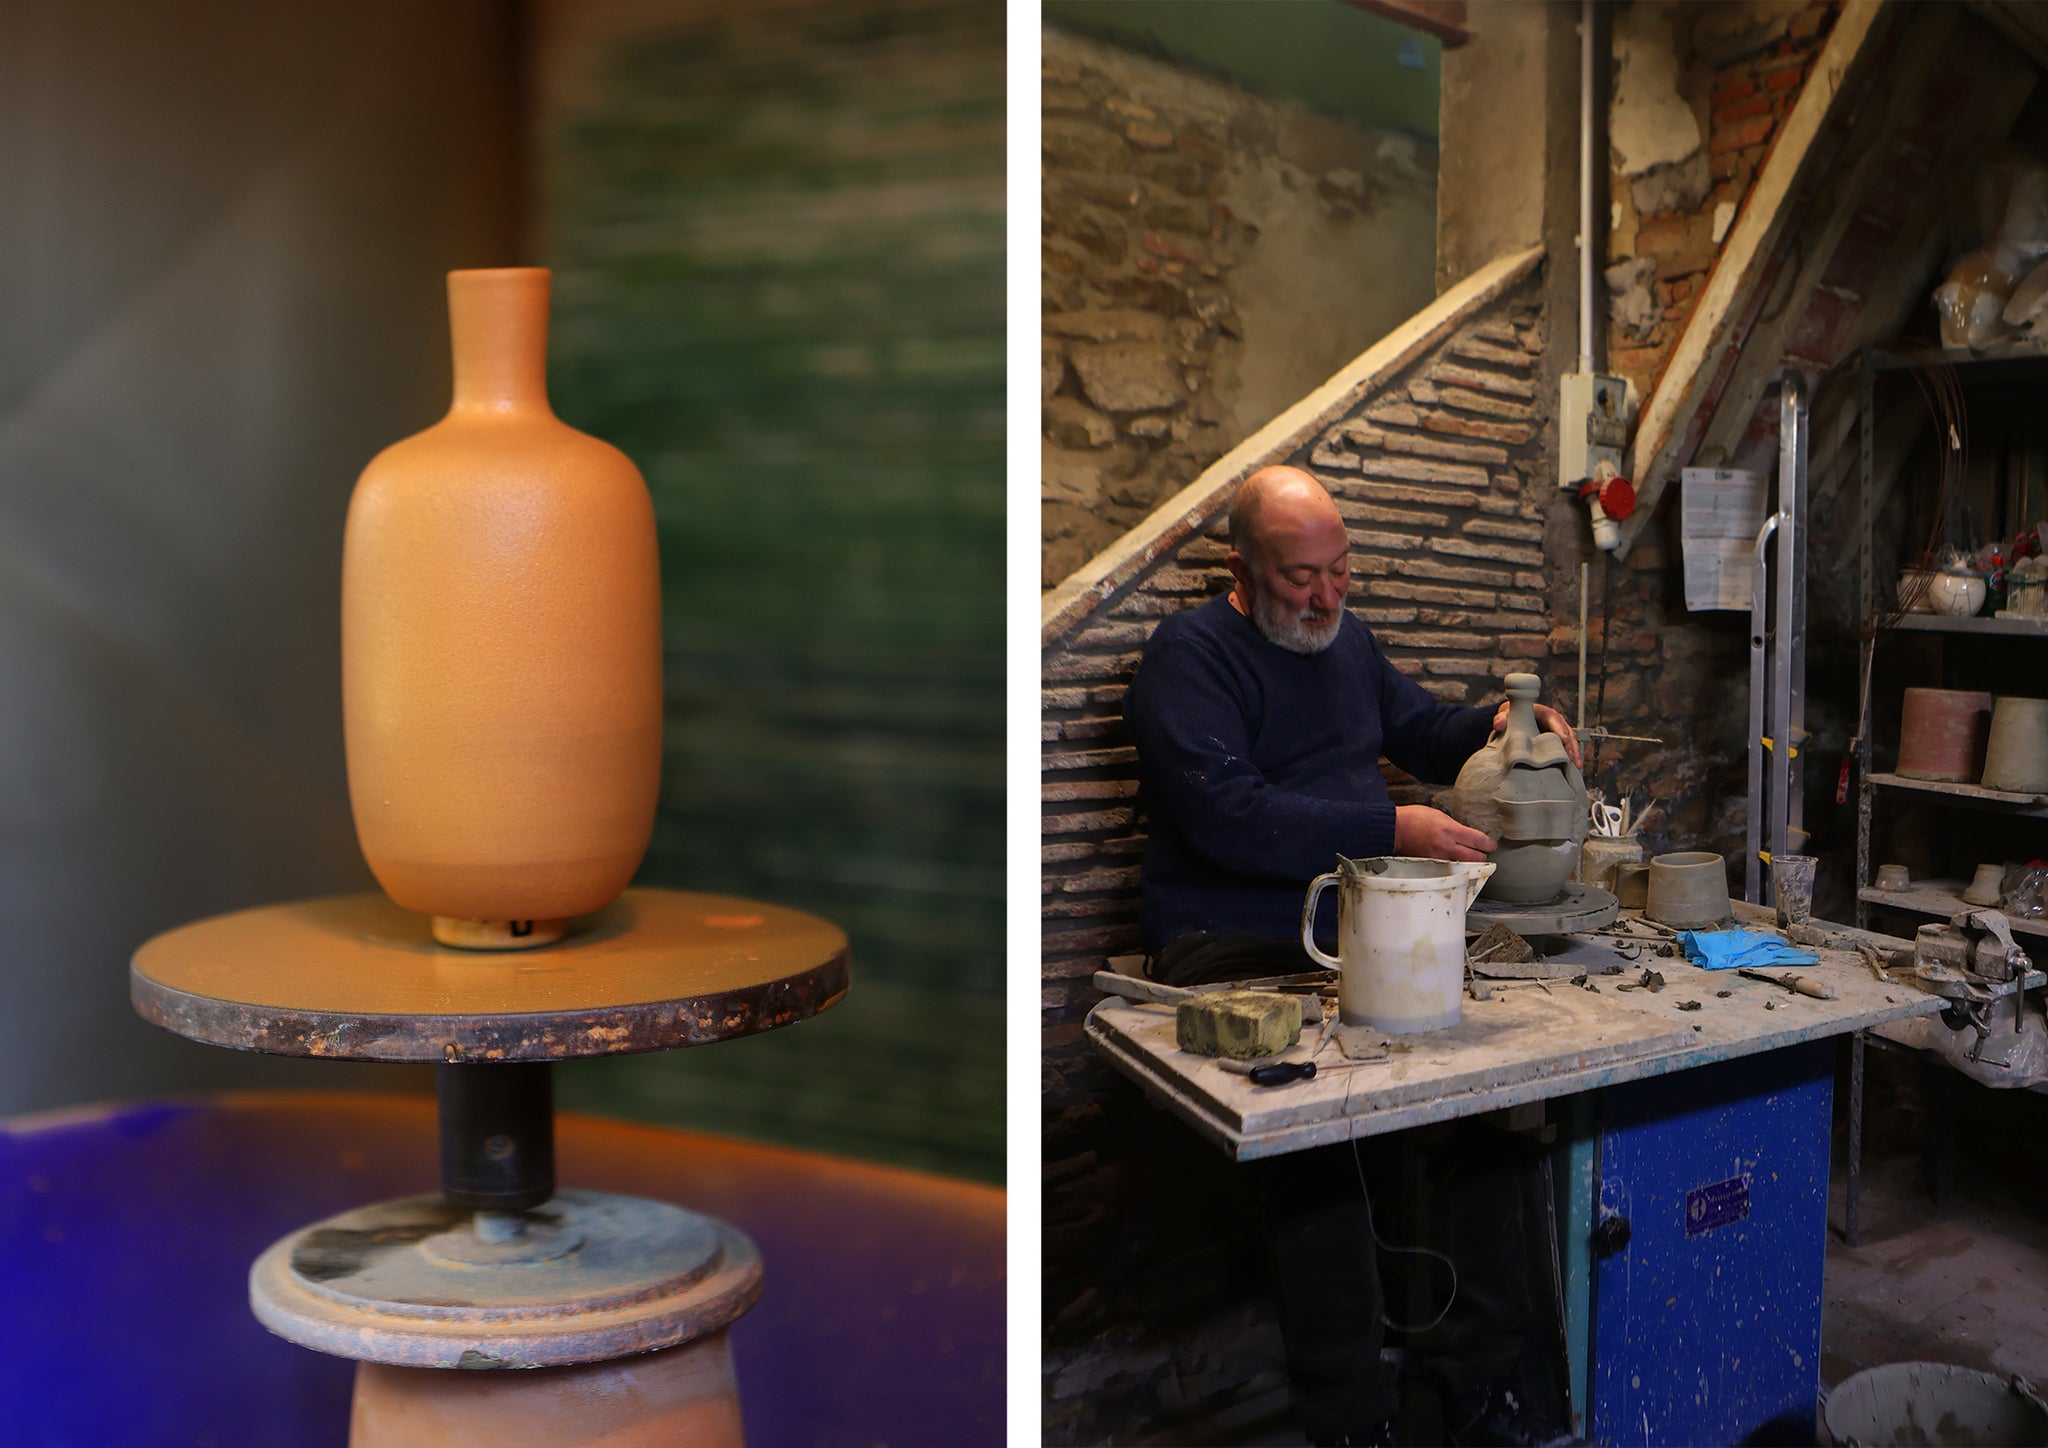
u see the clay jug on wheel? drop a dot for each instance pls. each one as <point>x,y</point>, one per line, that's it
<point>1523,790</point>
<point>501,646</point>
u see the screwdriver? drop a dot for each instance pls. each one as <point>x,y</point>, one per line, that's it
<point>1272,1073</point>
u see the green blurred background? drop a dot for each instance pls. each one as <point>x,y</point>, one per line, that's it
<point>777,235</point>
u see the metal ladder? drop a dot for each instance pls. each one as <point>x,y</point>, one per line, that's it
<point>1777,657</point>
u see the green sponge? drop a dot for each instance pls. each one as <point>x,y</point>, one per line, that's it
<point>1241,1024</point>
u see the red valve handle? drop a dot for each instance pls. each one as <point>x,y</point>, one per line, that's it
<point>1617,496</point>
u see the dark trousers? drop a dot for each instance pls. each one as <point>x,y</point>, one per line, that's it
<point>1469,1190</point>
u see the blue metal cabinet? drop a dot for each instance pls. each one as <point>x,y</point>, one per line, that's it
<point>1710,1237</point>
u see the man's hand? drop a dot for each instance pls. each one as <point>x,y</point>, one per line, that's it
<point>1429,834</point>
<point>1550,722</point>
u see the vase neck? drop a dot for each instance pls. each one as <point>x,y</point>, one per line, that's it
<point>1522,718</point>
<point>498,322</point>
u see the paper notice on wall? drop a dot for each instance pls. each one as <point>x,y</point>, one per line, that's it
<point>1720,511</point>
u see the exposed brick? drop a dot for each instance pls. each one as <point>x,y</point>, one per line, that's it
<point>1072,908</point>
<point>1180,580</point>
<point>1449,374</point>
<point>1416,445</point>
<point>1410,667</point>
<point>1355,512</point>
<point>1513,434</point>
<point>1063,698</point>
<point>1425,567</point>
<point>1087,758</point>
<point>1425,470</point>
<point>1151,138</point>
<point>1758,105</point>
<point>1464,399</point>
<point>1491,552</point>
<point>1447,691</point>
<point>1121,877</point>
<point>1054,730</point>
<point>1110,637</point>
<point>1068,791</point>
<point>1405,493</point>
<point>1393,414</point>
<point>1524,648</point>
<point>1089,666</point>
<point>1386,615</point>
<point>1733,88</point>
<point>1335,460</point>
<point>1086,822</point>
<point>1521,601</point>
<point>1426,639</point>
<point>1742,134</point>
<point>1430,593</point>
<point>1145,605</point>
<point>1386,542</point>
<point>1463,667</point>
<point>1519,532</point>
<point>1128,845</point>
<point>1108,939</point>
<point>1468,618</point>
<point>1535,582</point>
<point>1059,854</point>
<point>1483,351</point>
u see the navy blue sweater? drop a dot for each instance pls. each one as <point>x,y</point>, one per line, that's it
<point>1257,767</point>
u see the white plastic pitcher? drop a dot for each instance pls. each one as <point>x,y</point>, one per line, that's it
<point>1400,939</point>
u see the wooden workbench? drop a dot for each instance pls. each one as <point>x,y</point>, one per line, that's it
<point>1525,1044</point>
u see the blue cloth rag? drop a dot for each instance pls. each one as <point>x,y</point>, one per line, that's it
<point>1749,949</point>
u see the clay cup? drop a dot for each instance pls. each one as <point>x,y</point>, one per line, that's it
<point>1688,889</point>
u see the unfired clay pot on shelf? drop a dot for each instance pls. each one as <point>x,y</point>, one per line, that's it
<point>2016,759</point>
<point>1987,886</point>
<point>1942,733</point>
<point>1523,789</point>
<point>501,646</point>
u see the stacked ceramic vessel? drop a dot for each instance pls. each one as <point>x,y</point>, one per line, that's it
<point>1961,736</point>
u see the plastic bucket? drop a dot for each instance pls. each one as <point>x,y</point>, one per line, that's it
<point>1934,1404</point>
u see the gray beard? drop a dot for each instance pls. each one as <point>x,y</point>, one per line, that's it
<point>1289,632</point>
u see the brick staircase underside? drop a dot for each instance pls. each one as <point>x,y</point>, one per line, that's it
<point>1433,443</point>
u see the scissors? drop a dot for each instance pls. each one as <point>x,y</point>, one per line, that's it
<point>1607,819</point>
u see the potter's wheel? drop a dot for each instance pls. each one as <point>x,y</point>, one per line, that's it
<point>1579,908</point>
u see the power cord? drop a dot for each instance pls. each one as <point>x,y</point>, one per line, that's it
<point>1358,1162</point>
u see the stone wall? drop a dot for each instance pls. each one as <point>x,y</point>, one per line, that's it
<point>1154,1290</point>
<point>1208,257</point>
<point>1699,94</point>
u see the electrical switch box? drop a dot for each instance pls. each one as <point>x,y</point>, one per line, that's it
<point>1592,426</point>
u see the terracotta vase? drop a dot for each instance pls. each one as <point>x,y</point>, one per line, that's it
<point>1524,791</point>
<point>501,646</point>
<point>1941,734</point>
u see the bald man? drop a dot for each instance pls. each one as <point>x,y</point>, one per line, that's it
<point>1260,720</point>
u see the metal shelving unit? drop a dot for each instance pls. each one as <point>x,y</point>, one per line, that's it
<point>2010,373</point>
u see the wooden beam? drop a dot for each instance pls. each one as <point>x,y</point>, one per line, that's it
<point>1757,350</point>
<point>1110,571</point>
<point>1732,287</point>
<point>1445,19</point>
<point>1988,115</point>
